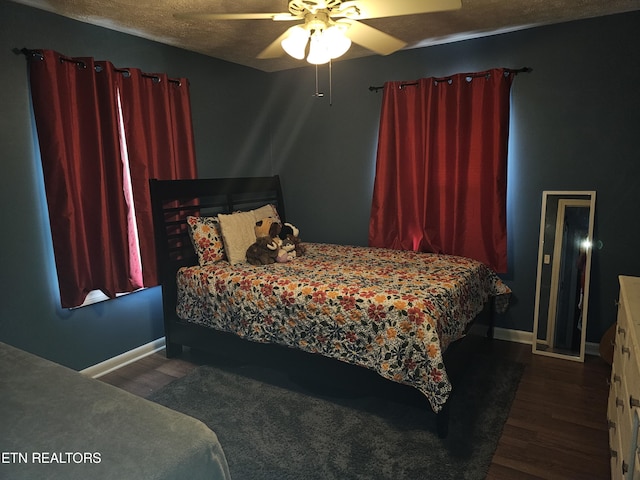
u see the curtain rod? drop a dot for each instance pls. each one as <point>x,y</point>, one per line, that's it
<point>443,79</point>
<point>125,72</point>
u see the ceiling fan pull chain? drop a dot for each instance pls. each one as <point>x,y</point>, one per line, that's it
<point>317,94</point>
<point>330,83</point>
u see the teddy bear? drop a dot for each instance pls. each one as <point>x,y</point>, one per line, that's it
<point>265,249</point>
<point>290,235</point>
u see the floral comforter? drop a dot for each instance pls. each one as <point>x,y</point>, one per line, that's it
<point>394,312</point>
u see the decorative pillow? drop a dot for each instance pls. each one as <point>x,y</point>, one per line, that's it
<point>206,238</point>
<point>238,231</point>
<point>266,211</point>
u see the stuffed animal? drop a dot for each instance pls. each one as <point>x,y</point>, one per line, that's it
<point>286,252</point>
<point>268,227</point>
<point>266,248</point>
<point>290,233</point>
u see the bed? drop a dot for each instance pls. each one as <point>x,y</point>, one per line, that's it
<point>389,311</point>
<point>59,424</point>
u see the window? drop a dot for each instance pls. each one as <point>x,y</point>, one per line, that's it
<point>103,132</point>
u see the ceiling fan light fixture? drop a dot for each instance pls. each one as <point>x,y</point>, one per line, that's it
<point>318,52</point>
<point>337,43</point>
<point>295,44</point>
<point>327,44</point>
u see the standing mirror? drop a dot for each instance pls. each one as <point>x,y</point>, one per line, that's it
<point>564,263</point>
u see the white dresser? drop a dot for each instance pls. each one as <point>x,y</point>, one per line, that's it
<point>623,411</point>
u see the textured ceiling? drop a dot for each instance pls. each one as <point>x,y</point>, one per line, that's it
<point>240,41</point>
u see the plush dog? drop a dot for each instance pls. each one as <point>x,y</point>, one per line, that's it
<point>266,248</point>
<point>291,235</point>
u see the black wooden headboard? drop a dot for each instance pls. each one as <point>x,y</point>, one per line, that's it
<point>173,201</point>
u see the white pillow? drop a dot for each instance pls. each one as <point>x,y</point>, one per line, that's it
<point>266,211</point>
<point>238,231</point>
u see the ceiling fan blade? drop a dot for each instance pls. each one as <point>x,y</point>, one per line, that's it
<point>386,8</point>
<point>372,38</point>
<point>235,16</point>
<point>274,50</point>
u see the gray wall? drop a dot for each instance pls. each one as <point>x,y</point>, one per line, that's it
<point>575,121</point>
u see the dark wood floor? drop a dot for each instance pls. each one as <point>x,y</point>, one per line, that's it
<point>557,427</point>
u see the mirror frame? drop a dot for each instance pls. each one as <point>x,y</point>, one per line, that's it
<point>589,196</point>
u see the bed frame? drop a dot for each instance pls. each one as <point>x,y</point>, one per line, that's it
<point>174,200</point>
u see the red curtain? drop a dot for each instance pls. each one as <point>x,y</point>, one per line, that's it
<point>441,171</point>
<point>87,153</point>
<point>159,135</point>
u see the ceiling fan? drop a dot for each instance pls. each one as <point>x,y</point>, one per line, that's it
<point>330,26</point>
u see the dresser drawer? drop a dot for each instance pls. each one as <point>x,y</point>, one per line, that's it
<point>631,381</point>
<point>612,416</point>
<point>627,427</point>
<point>615,443</point>
<point>633,468</point>
<point>624,353</point>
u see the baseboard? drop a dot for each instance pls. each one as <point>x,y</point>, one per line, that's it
<point>519,336</point>
<point>126,358</point>
<point>591,348</point>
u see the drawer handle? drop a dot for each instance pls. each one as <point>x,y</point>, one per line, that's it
<point>613,453</point>
<point>617,378</point>
<point>633,402</point>
<point>612,426</point>
<point>625,467</point>
<point>626,350</point>
<point>622,331</point>
<point>619,403</point>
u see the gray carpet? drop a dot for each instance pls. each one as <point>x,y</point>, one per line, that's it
<point>282,424</point>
